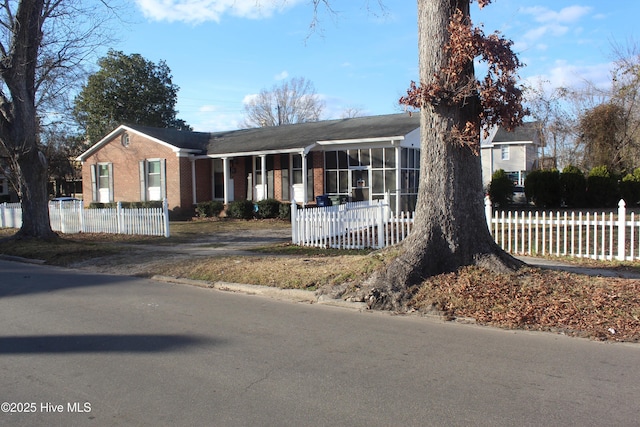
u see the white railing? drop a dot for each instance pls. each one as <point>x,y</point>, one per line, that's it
<point>572,234</point>
<point>353,225</point>
<point>71,217</point>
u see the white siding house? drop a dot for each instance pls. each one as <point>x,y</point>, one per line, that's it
<point>516,152</point>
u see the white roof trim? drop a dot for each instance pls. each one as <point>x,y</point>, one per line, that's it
<point>123,128</point>
<point>496,144</point>
<point>304,150</point>
<point>361,140</point>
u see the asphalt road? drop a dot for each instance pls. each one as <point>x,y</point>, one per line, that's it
<point>99,350</point>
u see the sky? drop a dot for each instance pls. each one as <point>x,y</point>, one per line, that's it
<point>358,56</point>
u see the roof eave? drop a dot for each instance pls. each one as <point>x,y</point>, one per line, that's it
<point>304,150</point>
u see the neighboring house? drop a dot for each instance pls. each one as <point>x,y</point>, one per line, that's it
<point>516,152</point>
<point>356,158</point>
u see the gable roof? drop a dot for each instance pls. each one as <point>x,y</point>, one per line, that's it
<point>288,138</point>
<point>176,140</point>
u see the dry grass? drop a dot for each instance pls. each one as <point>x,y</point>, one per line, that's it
<point>286,272</point>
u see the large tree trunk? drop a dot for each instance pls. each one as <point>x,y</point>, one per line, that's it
<point>19,121</point>
<point>32,171</point>
<point>450,229</point>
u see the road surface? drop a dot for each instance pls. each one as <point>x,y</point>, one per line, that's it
<point>81,348</point>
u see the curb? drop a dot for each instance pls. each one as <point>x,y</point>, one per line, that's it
<point>296,295</point>
<point>22,259</point>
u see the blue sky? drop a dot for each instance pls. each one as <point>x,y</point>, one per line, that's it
<point>222,51</point>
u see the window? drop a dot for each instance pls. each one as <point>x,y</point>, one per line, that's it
<point>218,178</point>
<point>286,182</point>
<point>152,179</point>
<point>296,176</point>
<point>504,152</point>
<point>102,182</point>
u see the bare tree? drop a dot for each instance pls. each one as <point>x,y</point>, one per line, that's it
<point>42,42</point>
<point>351,112</point>
<point>293,101</point>
<point>554,110</point>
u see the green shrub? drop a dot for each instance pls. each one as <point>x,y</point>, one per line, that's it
<point>240,209</point>
<point>99,205</point>
<point>630,188</point>
<point>268,208</point>
<point>285,212</point>
<point>155,204</point>
<point>602,188</point>
<point>542,187</point>
<point>500,188</point>
<point>209,209</point>
<point>127,205</point>
<point>573,186</point>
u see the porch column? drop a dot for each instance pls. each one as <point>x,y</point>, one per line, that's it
<point>398,178</point>
<point>263,175</point>
<point>193,181</point>
<point>305,196</point>
<point>226,173</point>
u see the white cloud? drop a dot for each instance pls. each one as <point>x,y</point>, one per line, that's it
<point>554,24</point>
<point>214,118</point>
<point>199,11</point>
<point>249,98</point>
<point>565,15</point>
<point>281,76</point>
<point>563,74</point>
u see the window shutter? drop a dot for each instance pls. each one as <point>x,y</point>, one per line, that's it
<point>94,183</point>
<point>111,198</point>
<point>163,178</point>
<point>143,180</point>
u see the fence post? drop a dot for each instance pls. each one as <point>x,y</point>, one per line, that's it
<point>3,222</point>
<point>294,220</point>
<point>58,204</point>
<point>81,215</point>
<point>165,216</point>
<point>381,221</point>
<point>119,217</point>
<point>622,229</point>
<point>488,212</point>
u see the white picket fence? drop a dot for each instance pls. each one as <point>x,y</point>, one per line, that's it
<point>71,217</point>
<point>594,235</point>
<point>571,234</point>
<point>354,225</point>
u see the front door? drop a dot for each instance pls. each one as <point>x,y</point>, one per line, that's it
<point>359,185</point>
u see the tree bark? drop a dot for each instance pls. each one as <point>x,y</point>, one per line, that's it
<point>19,121</point>
<point>32,170</point>
<point>450,229</point>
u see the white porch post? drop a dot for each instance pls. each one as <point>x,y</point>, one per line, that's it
<point>193,181</point>
<point>263,175</point>
<point>226,173</point>
<point>398,178</point>
<point>305,196</point>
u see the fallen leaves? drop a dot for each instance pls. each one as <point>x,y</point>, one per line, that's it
<point>595,307</point>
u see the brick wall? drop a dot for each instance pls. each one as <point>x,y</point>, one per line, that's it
<point>126,170</point>
<point>203,180</point>
<point>318,174</point>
